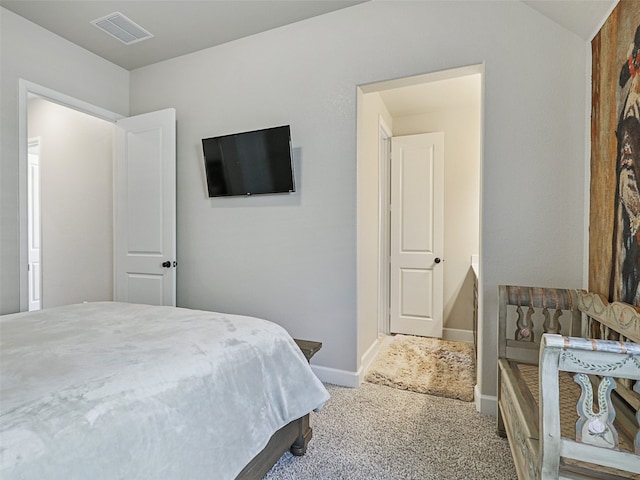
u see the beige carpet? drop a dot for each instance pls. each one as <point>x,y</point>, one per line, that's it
<point>426,365</point>
<point>380,433</point>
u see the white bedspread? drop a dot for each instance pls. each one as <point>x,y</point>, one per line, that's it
<point>120,391</point>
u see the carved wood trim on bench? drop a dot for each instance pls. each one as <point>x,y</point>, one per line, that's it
<point>600,348</point>
<point>617,317</point>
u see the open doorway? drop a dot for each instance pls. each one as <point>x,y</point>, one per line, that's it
<point>449,102</point>
<point>137,171</point>
<point>72,160</point>
<point>69,205</point>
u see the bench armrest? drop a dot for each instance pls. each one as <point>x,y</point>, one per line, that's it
<point>596,437</point>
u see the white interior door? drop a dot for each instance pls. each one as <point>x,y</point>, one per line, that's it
<point>145,209</point>
<point>417,239</point>
<point>34,235</point>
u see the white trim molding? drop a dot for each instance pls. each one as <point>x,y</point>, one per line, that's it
<point>485,404</point>
<point>369,356</point>
<point>457,335</point>
<point>343,378</point>
<point>384,167</point>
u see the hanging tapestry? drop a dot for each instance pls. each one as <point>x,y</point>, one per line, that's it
<point>614,229</point>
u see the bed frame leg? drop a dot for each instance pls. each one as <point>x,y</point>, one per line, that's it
<point>305,433</point>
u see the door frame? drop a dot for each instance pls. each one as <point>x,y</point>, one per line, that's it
<point>33,145</point>
<point>367,345</point>
<point>25,89</point>
<point>384,227</point>
<point>416,324</point>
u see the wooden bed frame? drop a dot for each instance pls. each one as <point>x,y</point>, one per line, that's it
<point>554,431</point>
<point>294,436</point>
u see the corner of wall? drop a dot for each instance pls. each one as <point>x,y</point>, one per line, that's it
<point>485,404</point>
<point>346,378</point>
<point>587,166</point>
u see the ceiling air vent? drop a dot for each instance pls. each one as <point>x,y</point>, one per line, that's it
<point>122,28</point>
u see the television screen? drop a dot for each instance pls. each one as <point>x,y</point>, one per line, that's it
<point>249,163</point>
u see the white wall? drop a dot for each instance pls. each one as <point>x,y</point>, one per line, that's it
<point>293,259</point>
<point>461,129</point>
<point>29,52</point>
<point>373,111</point>
<point>76,165</point>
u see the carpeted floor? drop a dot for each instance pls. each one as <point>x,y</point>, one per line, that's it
<point>379,433</point>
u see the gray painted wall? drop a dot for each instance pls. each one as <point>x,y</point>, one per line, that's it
<point>292,259</point>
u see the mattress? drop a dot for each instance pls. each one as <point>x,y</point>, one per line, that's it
<point>110,390</point>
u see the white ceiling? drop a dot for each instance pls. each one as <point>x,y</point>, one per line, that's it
<point>582,17</point>
<point>450,94</point>
<point>184,26</point>
<point>179,26</point>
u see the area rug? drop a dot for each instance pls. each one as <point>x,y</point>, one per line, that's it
<point>426,365</point>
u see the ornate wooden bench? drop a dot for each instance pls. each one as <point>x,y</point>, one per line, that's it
<point>569,383</point>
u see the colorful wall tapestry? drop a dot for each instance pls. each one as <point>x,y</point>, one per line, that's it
<point>614,230</point>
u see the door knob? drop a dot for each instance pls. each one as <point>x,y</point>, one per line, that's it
<point>166,264</point>
<point>437,260</point>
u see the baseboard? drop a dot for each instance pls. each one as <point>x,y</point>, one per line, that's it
<point>485,404</point>
<point>369,356</point>
<point>457,335</point>
<point>343,378</point>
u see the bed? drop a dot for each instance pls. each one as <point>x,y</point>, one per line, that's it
<point>569,383</point>
<point>111,390</point>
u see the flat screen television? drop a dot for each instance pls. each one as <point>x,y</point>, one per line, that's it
<point>249,163</point>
